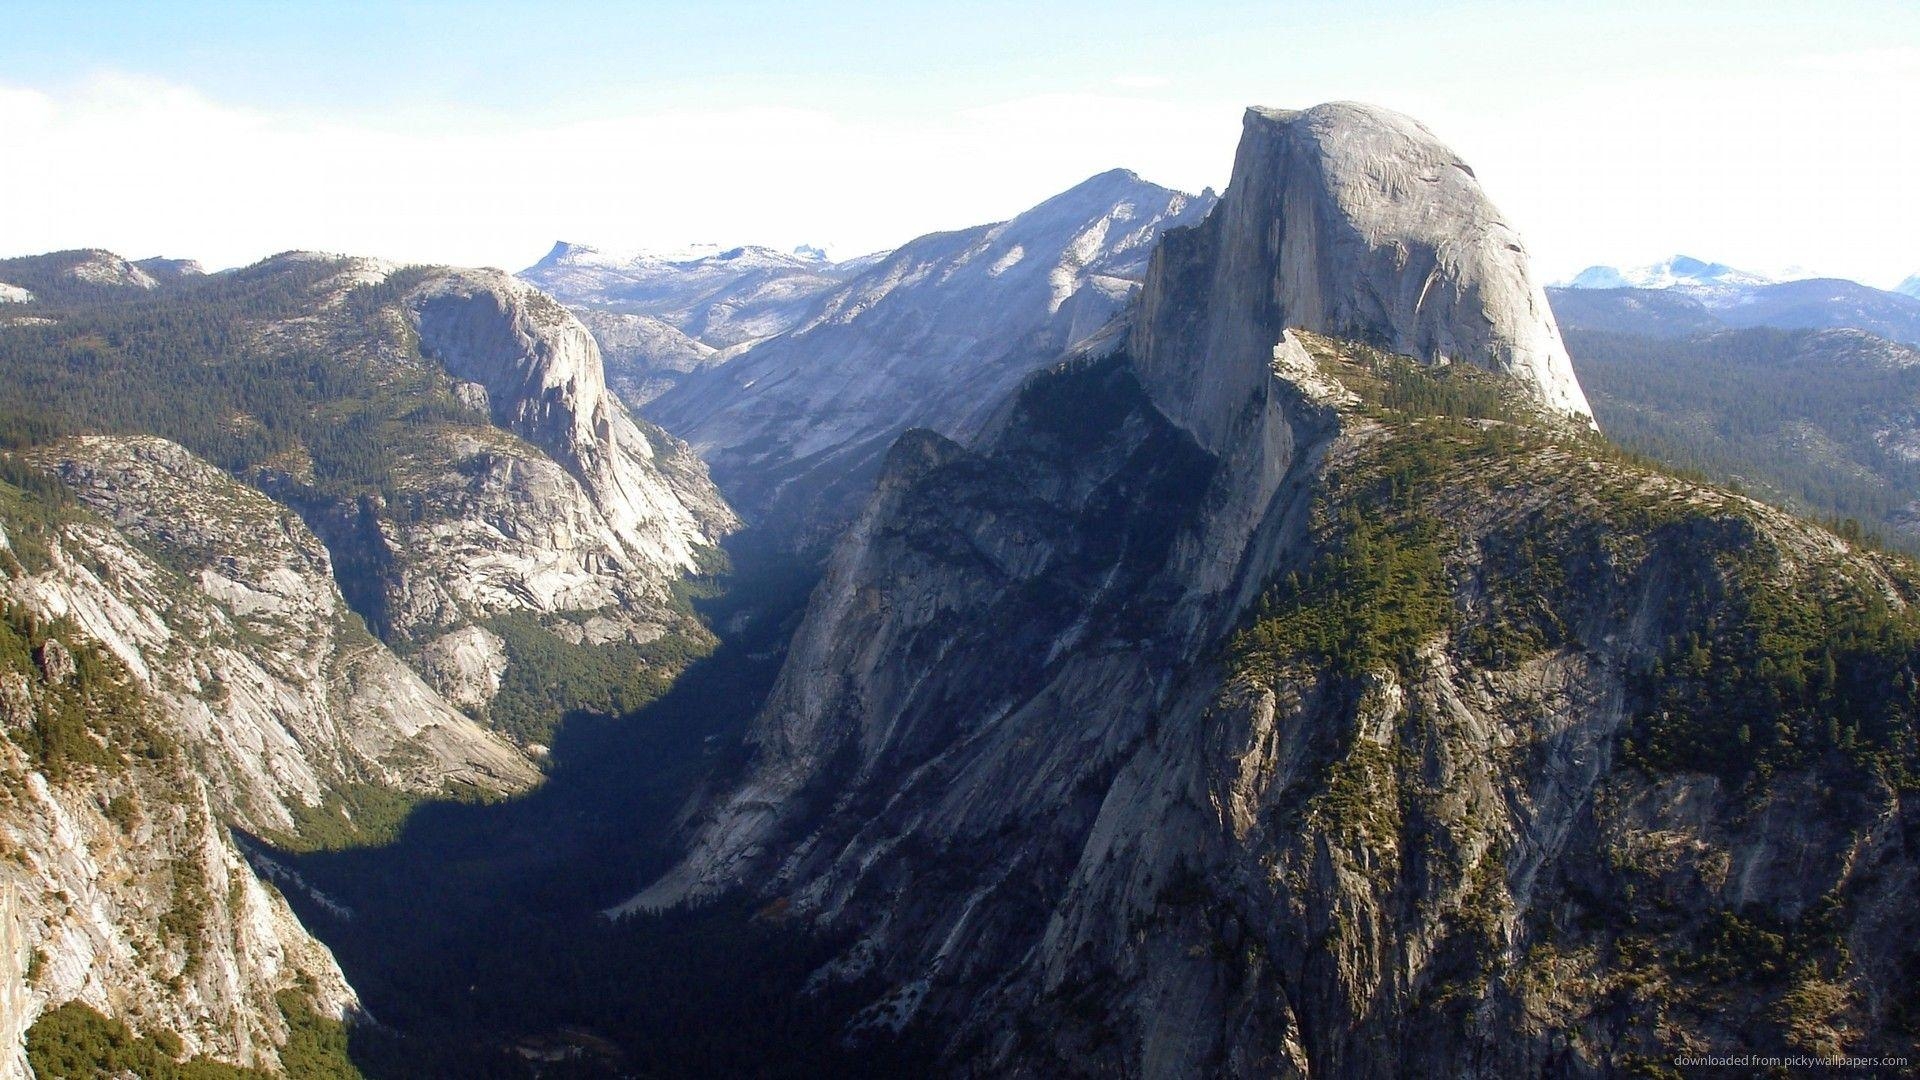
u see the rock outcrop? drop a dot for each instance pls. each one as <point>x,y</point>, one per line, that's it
<point>83,275</point>
<point>222,604</point>
<point>162,702</point>
<point>544,382</point>
<point>1356,222</point>
<point>526,488</point>
<point>1685,295</point>
<point>644,356</point>
<point>1250,701</point>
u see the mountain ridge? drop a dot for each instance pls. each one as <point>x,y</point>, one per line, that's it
<point>932,335</point>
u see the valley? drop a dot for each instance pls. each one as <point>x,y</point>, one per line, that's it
<point>1153,635</point>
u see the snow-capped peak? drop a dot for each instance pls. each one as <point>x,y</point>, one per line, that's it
<point>564,253</point>
<point>1680,271</point>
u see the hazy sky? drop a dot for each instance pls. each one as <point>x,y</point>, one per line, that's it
<point>1762,134</point>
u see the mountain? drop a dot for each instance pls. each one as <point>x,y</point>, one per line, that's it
<point>161,269</point>
<point>80,275</point>
<point>447,435</point>
<point>1685,296</point>
<point>178,661</point>
<point>644,356</point>
<point>1259,695</point>
<point>932,335</point>
<point>719,298</point>
<point>1681,272</point>
<point>1824,421</point>
<point>1656,313</point>
<point>123,893</point>
<point>1822,303</point>
<point>658,316</point>
<point>284,552</point>
<point>1909,287</point>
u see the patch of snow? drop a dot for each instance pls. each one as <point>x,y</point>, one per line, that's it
<point>1680,271</point>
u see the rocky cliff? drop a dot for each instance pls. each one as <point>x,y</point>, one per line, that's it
<point>144,704</point>
<point>1357,222</point>
<point>644,356</point>
<point>543,381</point>
<point>1251,701</point>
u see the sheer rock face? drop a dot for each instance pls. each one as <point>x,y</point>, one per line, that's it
<point>1017,754</point>
<point>544,379</point>
<point>932,335</point>
<point>94,904</point>
<point>1353,221</point>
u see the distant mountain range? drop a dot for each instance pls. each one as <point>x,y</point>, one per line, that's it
<point>1683,295</point>
<point>1804,390</point>
<point>791,374</point>
<point>1679,272</point>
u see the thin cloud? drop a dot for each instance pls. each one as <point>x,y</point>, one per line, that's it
<point>1795,166</point>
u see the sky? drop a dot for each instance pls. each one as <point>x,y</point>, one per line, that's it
<point>1761,134</point>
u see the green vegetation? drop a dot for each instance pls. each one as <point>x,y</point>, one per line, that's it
<point>1756,947</point>
<point>185,920</point>
<point>548,677</point>
<point>1757,674</point>
<point>316,1046</point>
<point>189,363</point>
<point>1761,408</point>
<point>1769,678</point>
<point>1400,388</point>
<point>1360,805</point>
<point>90,719</point>
<point>33,506</point>
<point>1375,594</point>
<point>1378,588</point>
<point>75,1042</point>
<point>124,810</point>
<point>359,814</point>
